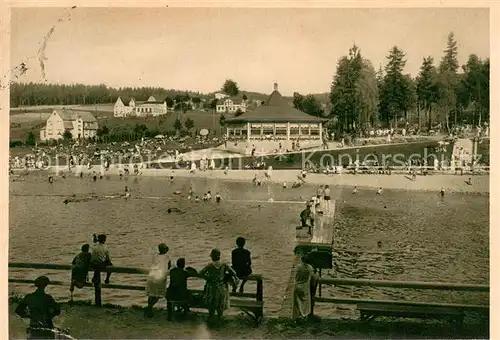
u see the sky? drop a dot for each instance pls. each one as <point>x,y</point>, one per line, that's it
<point>198,48</point>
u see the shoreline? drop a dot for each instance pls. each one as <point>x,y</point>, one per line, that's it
<point>455,184</point>
<point>111,321</point>
<point>400,182</point>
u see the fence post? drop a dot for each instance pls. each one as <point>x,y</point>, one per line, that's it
<point>260,290</point>
<point>97,288</point>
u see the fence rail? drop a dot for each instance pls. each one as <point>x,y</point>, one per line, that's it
<point>407,285</point>
<point>258,295</point>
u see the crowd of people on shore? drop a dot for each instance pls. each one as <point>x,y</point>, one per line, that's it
<point>87,153</point>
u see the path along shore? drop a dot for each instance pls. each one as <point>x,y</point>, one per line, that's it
<point>450,183</point>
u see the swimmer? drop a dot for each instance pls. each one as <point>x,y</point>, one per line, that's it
<point>63,175</point>
<point>379,244</point>
<point>205,197</point>
<point>172,178</point>
<point>51,179</point>
<point>284,185</point>
<point>177,192</point>
<point>94,178</point>
<point>441,192</point>
<point>209,195</point>
<point>226,169</point>
<point>127,192</point>
<point>379,191</point>
<point>217,197</point>
<point>121,175</point>
<point>254,179</point>
<point>190,194</point>
<point>469,181</point>
<point>355,190</point>
<point>196,199</point>
<point>81,174</point>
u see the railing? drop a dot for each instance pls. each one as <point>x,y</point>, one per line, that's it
<point>258,295</point>
<point>406,285</point>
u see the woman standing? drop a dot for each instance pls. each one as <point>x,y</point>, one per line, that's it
<point>302,299</point>
<point>156,286</point>
<point>217,275</point>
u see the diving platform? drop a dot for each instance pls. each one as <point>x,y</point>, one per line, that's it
<point>320,243</point>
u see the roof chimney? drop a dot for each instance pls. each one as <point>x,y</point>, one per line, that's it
<point>275,86</point>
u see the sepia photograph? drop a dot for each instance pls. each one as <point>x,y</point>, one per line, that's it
<point>239,172</point>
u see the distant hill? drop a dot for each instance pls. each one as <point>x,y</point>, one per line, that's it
<point>322,97</point>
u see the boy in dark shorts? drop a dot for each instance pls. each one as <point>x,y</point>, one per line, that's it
<point>80,269</point>
<point>241,260</point>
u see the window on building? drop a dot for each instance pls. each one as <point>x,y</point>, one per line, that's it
<point>294,130</point>
<point>268,129</point>
<point>255,129</point>
<point>280,130</point>
<point>304,130</point>
<point>314,132</point>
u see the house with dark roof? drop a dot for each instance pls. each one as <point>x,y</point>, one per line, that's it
<point>275,121</point>
<point>81,125</point>
<point>152,107</point>
<point>124,107</point>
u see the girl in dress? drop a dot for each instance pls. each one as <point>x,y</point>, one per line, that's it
<point>156,286</point>
<point>217,275</point>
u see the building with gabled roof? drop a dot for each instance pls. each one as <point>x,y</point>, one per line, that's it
<point>230,105</point>
<point>275,121</point>
<point>124,107</point>
<point>81,125</point>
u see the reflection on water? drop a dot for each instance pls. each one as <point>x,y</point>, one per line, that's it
<point>423,238</point>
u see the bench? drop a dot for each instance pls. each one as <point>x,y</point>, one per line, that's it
<point>369,311</point>
<point>370,308</point>
<point>254,309</point>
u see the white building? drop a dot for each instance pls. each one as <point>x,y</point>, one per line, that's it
<point>130,107</point>
<point>230,105</point>
<point>124,107</point>
<point>151,107</point>
<point>81,124</point>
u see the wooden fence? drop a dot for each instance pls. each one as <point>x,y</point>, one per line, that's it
<point>407,285</point>
<point>258,295</point>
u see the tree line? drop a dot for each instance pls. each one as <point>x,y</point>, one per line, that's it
<point>445,94</point>
<point>32,94</point>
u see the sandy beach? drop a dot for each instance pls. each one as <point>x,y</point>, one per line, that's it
<point>434,182</point>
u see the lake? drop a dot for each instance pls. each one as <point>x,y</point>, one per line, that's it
<point>424,237</point>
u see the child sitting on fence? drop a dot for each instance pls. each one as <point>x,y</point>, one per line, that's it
<point>177,291</point>
<point>241,260</point>
<point>100,259</point>
<point>80,269</point>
